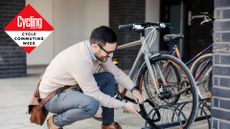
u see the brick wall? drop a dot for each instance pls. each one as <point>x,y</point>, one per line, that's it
<point>221,66</point>
<point>124,12</point>
<point>12,57</point>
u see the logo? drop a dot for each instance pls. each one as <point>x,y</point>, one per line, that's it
<point>28,29</point>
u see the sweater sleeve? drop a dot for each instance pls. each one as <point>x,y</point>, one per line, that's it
<point>122,78</point>
<point>82,72</point>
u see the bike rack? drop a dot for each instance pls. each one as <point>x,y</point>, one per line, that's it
<point>178,113</point>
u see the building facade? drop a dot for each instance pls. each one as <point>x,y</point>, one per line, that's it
<point>12,58</point>
<point>221,66</point>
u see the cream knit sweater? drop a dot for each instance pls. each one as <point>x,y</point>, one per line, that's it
<point>76,65</point>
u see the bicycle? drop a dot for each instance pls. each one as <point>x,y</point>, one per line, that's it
<point>164,95</point>
<point>201,68</point>
<point>200,64</point>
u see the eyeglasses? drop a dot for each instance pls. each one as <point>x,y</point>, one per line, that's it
<point>109,54</point>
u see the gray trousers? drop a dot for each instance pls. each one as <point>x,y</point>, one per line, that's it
<point>73,105</point>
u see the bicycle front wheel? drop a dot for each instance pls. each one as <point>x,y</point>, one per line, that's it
<point>176,102</point>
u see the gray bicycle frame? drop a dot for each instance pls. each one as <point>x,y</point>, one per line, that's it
<point>145,53</point>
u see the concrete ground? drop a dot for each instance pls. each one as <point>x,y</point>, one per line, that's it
<point>15,94</point>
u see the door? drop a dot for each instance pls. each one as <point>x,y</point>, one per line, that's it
<point>180,13</point>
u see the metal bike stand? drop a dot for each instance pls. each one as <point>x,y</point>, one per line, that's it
<point>204,111</point>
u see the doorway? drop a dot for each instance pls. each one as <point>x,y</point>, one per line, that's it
<point>179,14</point>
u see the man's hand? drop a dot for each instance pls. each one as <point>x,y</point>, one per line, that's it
<point>137,96</point>
<point>130,107</point>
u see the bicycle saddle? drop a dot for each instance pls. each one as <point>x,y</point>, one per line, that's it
<point>172,37</point>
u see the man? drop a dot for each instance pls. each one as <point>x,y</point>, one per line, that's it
<point>76,66</point>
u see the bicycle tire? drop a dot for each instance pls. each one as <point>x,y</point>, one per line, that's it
<point>155,106</point>
<point>199,68</point>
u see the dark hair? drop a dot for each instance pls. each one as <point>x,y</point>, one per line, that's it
<point>103,34</point>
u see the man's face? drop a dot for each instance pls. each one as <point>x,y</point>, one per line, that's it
<point>102,53</point>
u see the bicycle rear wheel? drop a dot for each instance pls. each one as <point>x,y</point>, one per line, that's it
<point>177,102</point>
<point>202,72</point>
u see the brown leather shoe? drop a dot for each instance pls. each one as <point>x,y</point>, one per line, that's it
<point>114,125</point>
<point>50,123</point>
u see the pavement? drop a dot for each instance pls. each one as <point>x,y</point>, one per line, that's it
<point>15,94</point>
